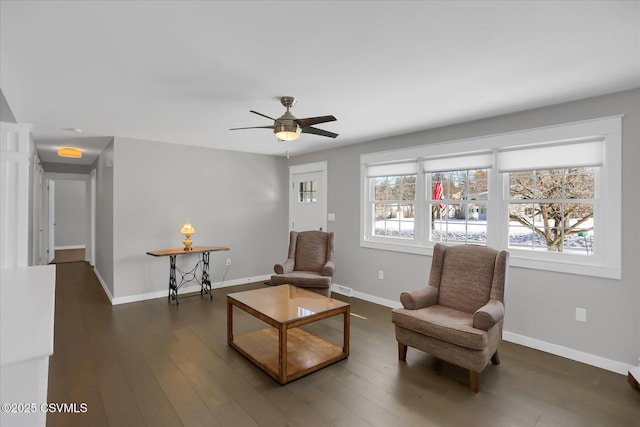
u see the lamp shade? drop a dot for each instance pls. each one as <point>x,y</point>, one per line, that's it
<point>187,229</point>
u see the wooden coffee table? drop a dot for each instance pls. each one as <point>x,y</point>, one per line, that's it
<point>285,351</point>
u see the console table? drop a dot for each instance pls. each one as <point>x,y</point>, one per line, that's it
<point>191,275</point>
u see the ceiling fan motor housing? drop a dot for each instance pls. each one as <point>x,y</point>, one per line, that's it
<point>286,126</point>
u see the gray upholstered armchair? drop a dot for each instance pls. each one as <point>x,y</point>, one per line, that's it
<point>310,262</point>
<point>458,317</point>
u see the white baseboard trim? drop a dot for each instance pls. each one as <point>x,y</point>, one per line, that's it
<point>569,353</point>
<point>558,350</point>
<point>184,290</point>
<point>104,285</point>
<point>62,248</point>
<point>365,297</point>
<point>376,300</point>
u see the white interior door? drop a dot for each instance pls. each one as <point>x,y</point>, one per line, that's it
<point>51,220</point>
<point>308,197</point>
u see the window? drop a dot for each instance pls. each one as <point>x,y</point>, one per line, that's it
<point>552,210</point>
<point>391,201</point>
<point>394,205</point>
<point>458,206</point>
<point>457,197</point>
<point>551,196</point>
<point>308,191</point>
<point>546,195</point>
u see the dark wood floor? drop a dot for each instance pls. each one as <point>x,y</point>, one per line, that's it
<point>152,363</point>
<point>62,256</point>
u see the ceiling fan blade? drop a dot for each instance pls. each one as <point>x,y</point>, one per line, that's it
<point>320,132</point>
<point>264,115</point>
<point>254,127</point>
<point>310,121</point>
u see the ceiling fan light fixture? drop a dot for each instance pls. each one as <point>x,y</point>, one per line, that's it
<point>288,128</point>
<point>287,133</point>
<point>71,153</point>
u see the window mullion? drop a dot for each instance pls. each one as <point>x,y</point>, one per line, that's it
<point>419,207</point>
<point>497,208</point>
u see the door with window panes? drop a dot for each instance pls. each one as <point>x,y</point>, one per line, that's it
<point>308,201</point>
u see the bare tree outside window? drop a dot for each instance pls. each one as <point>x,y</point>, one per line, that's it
<point>394,206</point>
<point>552,209</point>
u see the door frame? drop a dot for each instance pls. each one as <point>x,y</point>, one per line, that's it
<point>86,178</point>
<point>306,168</point>
<point>92,220</point>
<point>51,220</point>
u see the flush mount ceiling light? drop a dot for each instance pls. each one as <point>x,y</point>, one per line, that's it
<point>71,153</point>
<point>75,130</point>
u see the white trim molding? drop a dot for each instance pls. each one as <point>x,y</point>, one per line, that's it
<point>569,353</point>
<point>183,290</point>
<point>14,194</point>
<point>602,137</point>
<point>62,248</point>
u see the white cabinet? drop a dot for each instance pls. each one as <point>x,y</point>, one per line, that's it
<point>27,299</point>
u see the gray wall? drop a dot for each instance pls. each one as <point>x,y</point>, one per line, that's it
<point>71,213</point>
<point>104,217</point>
<point>6,115</point>
<point>66,168</point>
<point>540,305</point>
<point>233,199</point>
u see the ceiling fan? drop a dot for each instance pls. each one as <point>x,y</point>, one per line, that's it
<point>287,127</point>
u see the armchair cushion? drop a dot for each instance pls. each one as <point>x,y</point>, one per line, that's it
<point>467,277</point>
<point>488,315</point>
<point>442,323</point>
<point>311,251</point>
<point>305,279</point>
<point>419,298</point>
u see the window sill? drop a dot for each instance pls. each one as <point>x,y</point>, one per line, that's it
<point>397,247</point>
<point>588,268</point>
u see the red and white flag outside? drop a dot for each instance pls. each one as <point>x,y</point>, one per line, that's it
<point>438,194</point>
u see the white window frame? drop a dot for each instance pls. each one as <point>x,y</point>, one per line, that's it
<point>606,260</point>
<point>466,202</point>
<point>400,167</point>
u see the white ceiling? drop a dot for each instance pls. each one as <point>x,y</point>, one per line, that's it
<point>185,72</point>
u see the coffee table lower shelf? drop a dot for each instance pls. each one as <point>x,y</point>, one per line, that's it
<point>305,353</point>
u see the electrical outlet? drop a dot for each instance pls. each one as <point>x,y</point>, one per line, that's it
<point>581,314</point>
<point>228,261</point>
<point>380,274</point>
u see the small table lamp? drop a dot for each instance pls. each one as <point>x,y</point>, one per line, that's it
<point>187,230</point>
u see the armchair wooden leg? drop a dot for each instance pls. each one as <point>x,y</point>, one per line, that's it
<point>474,381</point>
<point>402,352</point>
<point>495,359</point>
